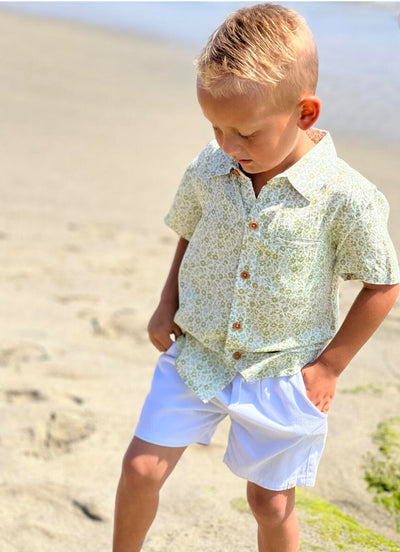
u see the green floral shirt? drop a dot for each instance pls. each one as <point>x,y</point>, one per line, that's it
<point>258,284</point>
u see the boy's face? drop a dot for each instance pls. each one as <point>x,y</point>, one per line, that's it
<point>249,130</point>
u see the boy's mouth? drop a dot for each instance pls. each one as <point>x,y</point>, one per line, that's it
<point>244,161</point>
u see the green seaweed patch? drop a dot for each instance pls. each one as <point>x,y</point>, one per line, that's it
<point>376,388</point>
<point>387,437</point>
<point>334,527</point>
<point>331,526</point>
<point>382,470</point>
<point>240,504</point>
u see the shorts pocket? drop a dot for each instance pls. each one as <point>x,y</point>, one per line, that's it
<point>301,386</point>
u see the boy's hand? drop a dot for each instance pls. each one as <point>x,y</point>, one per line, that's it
<point>320,382</point>
<point>161,325</point>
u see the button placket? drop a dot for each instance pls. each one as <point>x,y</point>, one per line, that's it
<point>253,224</point>
<point>242,289</point>
<point>251,227</point>
<point>246,191</point>
<point>234,334</point>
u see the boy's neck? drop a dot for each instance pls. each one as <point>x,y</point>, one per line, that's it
<point>304,145</point>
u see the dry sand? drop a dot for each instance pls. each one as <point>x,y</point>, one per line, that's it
<point>96,130</point>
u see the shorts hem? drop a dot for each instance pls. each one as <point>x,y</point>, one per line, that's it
<point>299,481</point>
<point>162,442</point>
<point>154,440</point>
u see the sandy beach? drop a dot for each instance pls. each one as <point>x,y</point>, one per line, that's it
<point>97,127</point>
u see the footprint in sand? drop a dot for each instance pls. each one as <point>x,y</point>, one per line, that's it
<point>30,507</point>
<point>32,395</point>
<point>34,509</point>
<point>65,428</point>
<point>123,322</point>
<point>57,433</point>
<point>77,298</point>
<point>23,352</point>
<point>93,317</point>
<point>23,395</point>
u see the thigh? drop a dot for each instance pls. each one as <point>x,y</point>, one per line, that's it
<point>172,415</point>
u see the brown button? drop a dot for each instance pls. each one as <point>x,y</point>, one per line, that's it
<point>236,326</point>
<point>245,275</point>
<point>237,355</point>
<point>253,226</point>
<point>236,172</point>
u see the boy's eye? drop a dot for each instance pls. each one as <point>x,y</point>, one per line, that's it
<point>246,136</point>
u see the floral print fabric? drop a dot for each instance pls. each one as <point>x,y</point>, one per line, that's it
<point>258,284</point>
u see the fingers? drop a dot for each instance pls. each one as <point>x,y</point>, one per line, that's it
<point>161,346</point>
<point>177,331</point>
<point>163,343</point>
<point>161,338</point>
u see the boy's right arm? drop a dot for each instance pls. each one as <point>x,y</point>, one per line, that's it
<point>162,323</point>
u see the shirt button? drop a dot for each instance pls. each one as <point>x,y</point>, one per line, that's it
<point>236,326</point>
<point>237,355</point>
<point>253,225</point>
<point>245,275</point>
<point>236,172</point>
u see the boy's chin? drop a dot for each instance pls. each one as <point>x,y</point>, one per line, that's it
<point>251,168</point>
<point>248,167</point>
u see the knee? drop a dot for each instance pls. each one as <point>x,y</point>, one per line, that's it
<point>141,473</point>
<point>270,508</point>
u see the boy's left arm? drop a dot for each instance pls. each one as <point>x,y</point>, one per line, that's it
<point>368,311</point>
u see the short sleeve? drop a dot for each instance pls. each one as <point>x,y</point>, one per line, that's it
<point>366,251</point>
<point>185,211</point>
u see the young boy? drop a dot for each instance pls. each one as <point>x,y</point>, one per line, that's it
<point>268,219</point>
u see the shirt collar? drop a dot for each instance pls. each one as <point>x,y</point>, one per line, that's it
<point>306,175</point>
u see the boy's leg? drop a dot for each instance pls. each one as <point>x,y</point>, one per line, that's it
<point>275,444</point>
<point>278,527</point>
<point>172,416</point>
<point>144,470</point>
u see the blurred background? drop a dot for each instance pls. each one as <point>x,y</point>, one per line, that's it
<point>358,44</point>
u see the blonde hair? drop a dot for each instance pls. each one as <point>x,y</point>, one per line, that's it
<point>258,46</point>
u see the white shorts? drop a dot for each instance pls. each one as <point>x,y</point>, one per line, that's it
<point>277,434</point>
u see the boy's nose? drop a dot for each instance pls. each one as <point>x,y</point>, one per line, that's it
<point>230,146</point>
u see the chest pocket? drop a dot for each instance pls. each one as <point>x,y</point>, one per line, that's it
<point>297,220</point>
<point>290,265</point>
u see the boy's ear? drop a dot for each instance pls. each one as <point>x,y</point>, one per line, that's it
<point>309,110</point>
